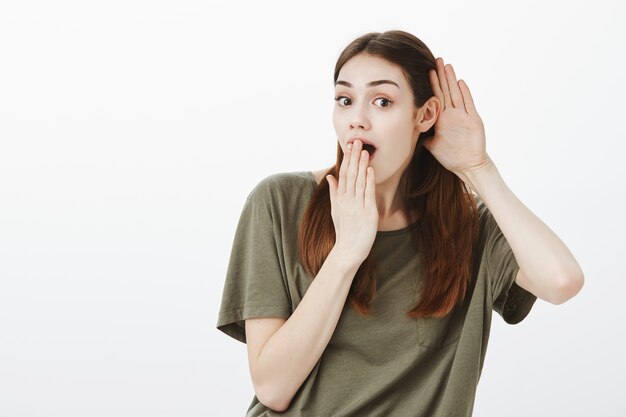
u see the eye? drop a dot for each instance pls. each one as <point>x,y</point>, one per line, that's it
<point>338,100</point>
<point>386,100</point>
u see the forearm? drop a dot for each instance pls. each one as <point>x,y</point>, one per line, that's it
<point>544,258</point>
<point>290,354</point>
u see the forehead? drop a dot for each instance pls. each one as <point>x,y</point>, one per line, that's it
<point>362,68</point>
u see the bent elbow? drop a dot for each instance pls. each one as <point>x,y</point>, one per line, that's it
<point>568,288</point>
<point>272,400</point>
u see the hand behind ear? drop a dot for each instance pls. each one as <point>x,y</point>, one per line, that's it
<point>459,142</point>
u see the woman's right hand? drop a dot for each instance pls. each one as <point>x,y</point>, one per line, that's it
<point>353,204</point>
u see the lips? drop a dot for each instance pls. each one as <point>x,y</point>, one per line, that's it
<point>367,145</point>
<point>365,141</point>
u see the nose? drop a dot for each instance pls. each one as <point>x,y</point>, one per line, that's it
<point>359,118</point>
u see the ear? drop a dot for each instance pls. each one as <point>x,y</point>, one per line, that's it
<point>426,116</point>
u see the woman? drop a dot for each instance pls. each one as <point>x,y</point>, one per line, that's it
<point>367,289</point>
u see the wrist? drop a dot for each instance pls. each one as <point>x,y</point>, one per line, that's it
<point>479,174</point>
<point>342,260</point>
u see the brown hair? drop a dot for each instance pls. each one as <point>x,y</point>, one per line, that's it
<point>446,210</point>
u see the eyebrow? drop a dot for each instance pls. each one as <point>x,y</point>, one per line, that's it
<point>370,84</point>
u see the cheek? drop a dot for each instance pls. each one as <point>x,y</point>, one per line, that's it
<point>394,126</point>
<point>401,126</point>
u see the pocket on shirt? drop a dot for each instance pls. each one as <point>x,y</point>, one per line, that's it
<point>436,333</point>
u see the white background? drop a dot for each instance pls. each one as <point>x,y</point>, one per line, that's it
<point>132,131</point>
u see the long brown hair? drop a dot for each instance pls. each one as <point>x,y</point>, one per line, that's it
<point>447,217</point>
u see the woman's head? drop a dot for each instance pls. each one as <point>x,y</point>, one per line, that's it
<point>390,116</point>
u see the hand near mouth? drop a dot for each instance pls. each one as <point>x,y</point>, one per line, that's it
<point>459,142</point>
<point>353,205</point>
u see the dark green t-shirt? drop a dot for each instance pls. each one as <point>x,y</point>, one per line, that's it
<point>385,364</point>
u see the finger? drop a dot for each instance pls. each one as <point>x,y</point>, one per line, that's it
<point>455,93</point>
<point>360,179</point>
<point>443,82</point>
<point>332,189</point>
<point>467,98</point>
<point>341,188</point>
<point>370,189</point>
<point>353,167</point>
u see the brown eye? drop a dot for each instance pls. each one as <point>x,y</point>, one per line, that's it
<point>386,100</point>
<point>338,100</point>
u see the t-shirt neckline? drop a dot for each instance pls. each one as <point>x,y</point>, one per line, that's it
<point>382,233</point>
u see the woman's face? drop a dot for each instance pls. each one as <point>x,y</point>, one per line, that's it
<point>383,114</point>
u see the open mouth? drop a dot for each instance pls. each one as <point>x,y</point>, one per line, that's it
<point>369,148</point>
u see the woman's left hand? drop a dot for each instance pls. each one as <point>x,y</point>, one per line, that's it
<point>459,141</point>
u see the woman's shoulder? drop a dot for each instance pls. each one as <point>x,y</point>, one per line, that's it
<point>286,180</point>
<point>282,184</point>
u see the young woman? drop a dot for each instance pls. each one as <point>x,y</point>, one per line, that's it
<point>367,288</point>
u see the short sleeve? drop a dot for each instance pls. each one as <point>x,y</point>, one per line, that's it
<point>255,283</point>
<point>511,301</point>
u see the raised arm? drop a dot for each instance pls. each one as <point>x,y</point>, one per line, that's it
<point>547,267</point>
